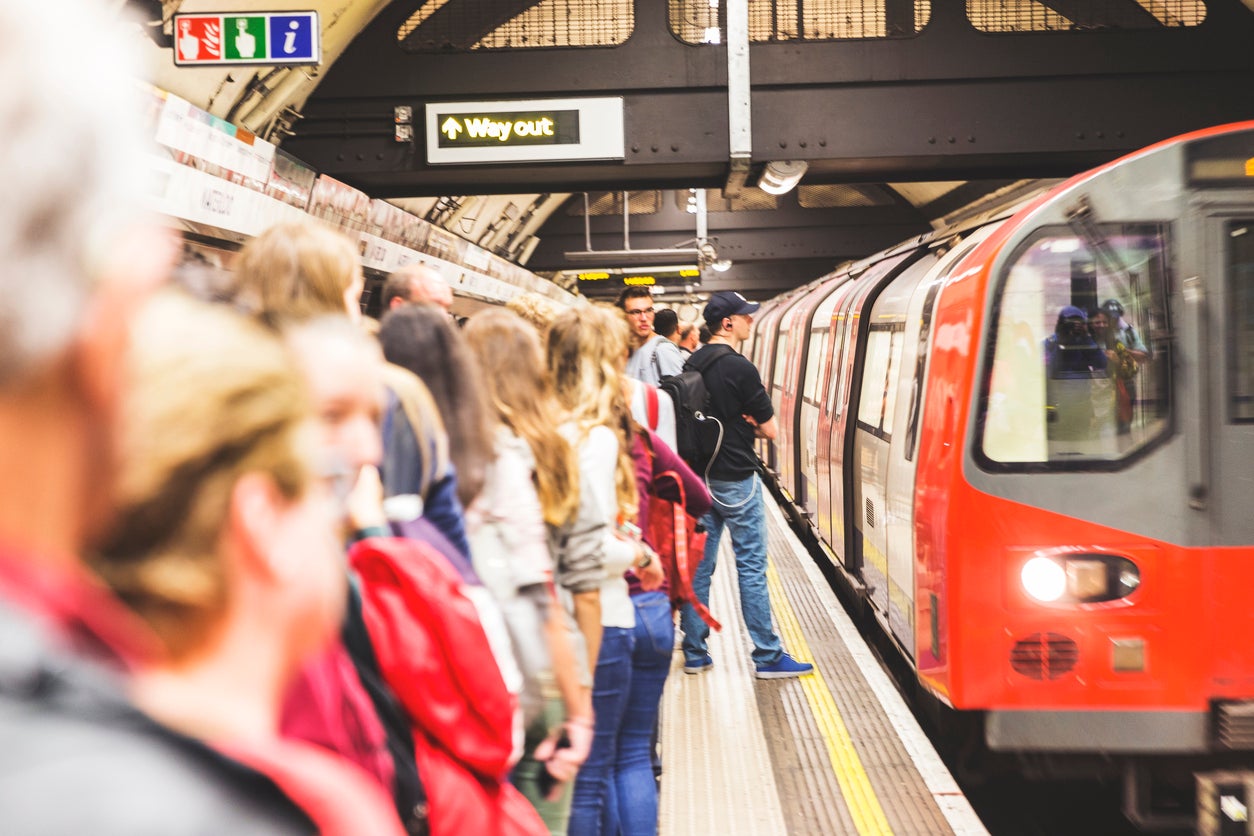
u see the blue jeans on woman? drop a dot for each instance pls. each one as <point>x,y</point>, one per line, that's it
<point>594,809</point>
<point>636,787</point>
<point>738,507</point>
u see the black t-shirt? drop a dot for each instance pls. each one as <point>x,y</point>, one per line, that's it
<point>735,390</point>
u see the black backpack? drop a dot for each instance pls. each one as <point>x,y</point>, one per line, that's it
<point>698,436</point>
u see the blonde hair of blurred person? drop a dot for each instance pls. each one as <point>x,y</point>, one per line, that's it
<point>78,258</point>
<point>539,311</point>
<point>296,270</point>
<point>226,544</point>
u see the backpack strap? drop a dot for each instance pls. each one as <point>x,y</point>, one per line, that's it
<point>650,400</point>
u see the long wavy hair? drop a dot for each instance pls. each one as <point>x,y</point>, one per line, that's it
<point>586,350</point>
<point>420,338</point>
<point>521,395</point>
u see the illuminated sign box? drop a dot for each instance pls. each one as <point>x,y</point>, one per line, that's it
<point>243,39</point>
<point>536,130</point>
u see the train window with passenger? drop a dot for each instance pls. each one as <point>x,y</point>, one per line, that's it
<point>1241,291</point>
<point>1078,372</point>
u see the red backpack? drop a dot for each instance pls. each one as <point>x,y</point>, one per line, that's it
<point>675,535</point>
<point>436,657</point>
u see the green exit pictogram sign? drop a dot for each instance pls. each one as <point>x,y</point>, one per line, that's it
<point>235,38</point>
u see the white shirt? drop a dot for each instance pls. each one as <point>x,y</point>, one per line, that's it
<point>656,359</point>
<point>665,428</point>
<point>598,464</point>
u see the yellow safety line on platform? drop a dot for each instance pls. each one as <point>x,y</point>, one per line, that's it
<point>864,806</point>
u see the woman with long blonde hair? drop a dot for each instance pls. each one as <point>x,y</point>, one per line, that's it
<point>533,480</point>
<point>587,351</point>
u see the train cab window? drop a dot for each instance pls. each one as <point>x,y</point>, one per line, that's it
<point>1077,373</point>
<point>1241,311</point>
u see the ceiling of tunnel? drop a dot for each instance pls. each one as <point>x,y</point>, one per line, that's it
<point>539,228</point>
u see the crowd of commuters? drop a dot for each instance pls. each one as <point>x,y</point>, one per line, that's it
<point>266,567</point>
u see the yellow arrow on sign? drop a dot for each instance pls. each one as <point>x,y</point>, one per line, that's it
<point>451,128</point>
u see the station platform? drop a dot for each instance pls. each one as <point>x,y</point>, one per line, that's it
<point>835,752</point>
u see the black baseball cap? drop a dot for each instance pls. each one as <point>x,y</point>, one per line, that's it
<point>726,303</point>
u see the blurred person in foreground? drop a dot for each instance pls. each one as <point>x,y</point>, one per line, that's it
<point>77,260</point>
<point>227,546</point>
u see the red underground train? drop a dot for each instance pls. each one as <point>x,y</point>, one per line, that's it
<point>1027,443</point>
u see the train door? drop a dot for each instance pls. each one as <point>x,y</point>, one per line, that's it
<point>777,337</point>
<point>761,356</point>
<point>813,385</point>
<point>854,317</point>
<point>791,338</point>
<point>789,417</point>
<point>828,404</point>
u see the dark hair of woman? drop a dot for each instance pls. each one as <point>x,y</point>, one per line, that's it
<point>421,338</point>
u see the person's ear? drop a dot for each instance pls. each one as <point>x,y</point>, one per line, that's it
<point>254,524</point>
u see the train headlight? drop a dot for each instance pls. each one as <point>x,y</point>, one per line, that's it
<point>1044,579</point>
<point>1079,578</point>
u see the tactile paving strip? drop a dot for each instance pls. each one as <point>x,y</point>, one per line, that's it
<point>816,755</point>
<point>911,787</point>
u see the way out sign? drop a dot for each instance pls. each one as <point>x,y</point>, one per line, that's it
<point>241,39</point>
<point>536,130</point>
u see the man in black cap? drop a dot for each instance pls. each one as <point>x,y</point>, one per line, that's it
<point>740,403</point>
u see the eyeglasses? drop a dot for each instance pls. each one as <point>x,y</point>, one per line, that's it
<point>641,312</point>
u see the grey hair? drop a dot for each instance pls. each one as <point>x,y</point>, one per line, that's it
<point>71,164</point>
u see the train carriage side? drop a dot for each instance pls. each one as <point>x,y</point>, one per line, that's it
<point>772,366</point>
<point>884,463</point>
<point>818,367</point>
<point>1084,454</point>
<point>847,339</point>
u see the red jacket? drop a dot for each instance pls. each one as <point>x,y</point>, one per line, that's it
<point>434,654</point>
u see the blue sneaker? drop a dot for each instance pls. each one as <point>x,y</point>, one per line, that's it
<point>700,666</point>
<point>785,667</point>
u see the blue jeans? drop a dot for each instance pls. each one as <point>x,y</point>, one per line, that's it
<point>594,809</point>
<point>636,788</point>
<point>739,507</point>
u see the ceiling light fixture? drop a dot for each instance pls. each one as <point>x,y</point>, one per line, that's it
<point>780,176</point>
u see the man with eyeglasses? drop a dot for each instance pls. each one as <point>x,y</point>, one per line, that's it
<point>653,356</point>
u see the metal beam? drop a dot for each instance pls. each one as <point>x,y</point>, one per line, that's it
<point>976,129</point>
<point>1115,14</point>
<point>460,24</point>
